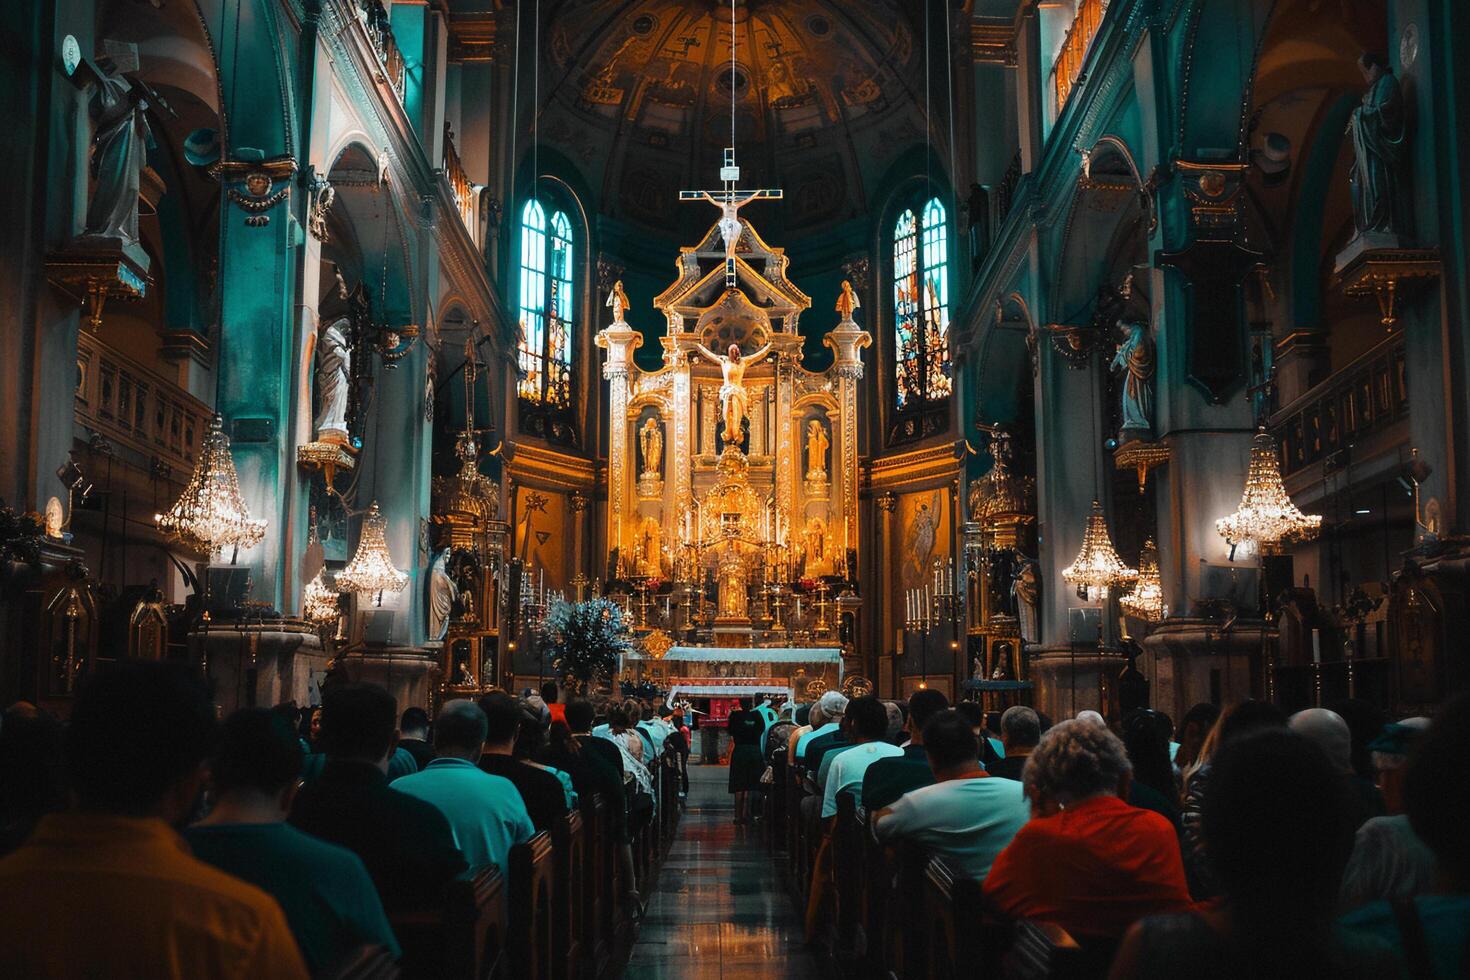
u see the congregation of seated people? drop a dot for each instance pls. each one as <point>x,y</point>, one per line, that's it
<point>142,837</point>
<point>928,839</point>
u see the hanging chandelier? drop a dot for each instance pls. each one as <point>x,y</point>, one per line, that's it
<point>1266,516</point>
<point>371,569</point>
<point>319,603</point>
<point>1097,567</point>
<point>1146,599</point>
<point>210,515</point>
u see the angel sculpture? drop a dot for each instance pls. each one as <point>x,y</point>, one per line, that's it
<point>618,300</point>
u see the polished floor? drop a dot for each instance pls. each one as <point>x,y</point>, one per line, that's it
<point>719,909</point>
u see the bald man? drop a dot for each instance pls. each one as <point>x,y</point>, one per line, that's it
<point>486,813</point>
<point>1330,732</point>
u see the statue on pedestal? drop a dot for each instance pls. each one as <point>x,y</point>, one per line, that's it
<point>333,371</point>
<point>847,302</point>
<point>1135,356</point>
<point>1026,587</point>
<point>119,147</point>
<point>734,400</point>
<point>1380,145</point>
<point>618,300</point>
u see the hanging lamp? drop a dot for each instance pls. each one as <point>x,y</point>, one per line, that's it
<point>319,600</point>
<point>1146,599</point>
<point>1266,516</point>
<point>210,515</point>
<point>371,570</point>
<point>1097,567</point>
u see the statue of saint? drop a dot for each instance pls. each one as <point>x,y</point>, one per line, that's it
<point>1136,356</point>
<point>1380,144</point>
<point>618,300</point>
<point>651,439</point>
<point>443,594</point>
<point>847,301</point>
<point>1026,588</point>
<point>333,370</point>
<point>734,400</point>
<point>922,536</point>
<point>119,147</point>
<point>816,450</point>
<point>816,543</point>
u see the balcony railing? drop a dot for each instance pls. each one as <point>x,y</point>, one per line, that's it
<point>1367,395</point>
<point>134,406</point>
<point>466,198</point>
<point>380,31</point>
<point>1074,48</point>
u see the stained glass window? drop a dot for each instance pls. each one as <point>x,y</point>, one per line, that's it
<point>921,307</point>
<point>547,306</point>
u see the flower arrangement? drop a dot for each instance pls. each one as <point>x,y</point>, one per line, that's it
<point>585,639</point>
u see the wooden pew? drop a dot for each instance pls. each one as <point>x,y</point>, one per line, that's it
<point>569,894</point>
<point>1045,951</point>
<point>464,940</point>
<point>366,963</point>
<point>962,940</point>
<point>848,877</point>
<point>597,884</point>
<point>532,949</point>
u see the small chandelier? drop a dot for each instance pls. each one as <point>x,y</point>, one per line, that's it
<point>210,515</point>
<point>371,569</point>
<point>1097,567</point>
<point>1266,516</point>
<point>1146,599</point>
<point>320,601</point>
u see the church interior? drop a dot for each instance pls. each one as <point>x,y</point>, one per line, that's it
<point>1064,391</point>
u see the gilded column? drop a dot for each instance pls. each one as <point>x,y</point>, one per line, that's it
<point>681,403</point>
<point>619,340</point>
<point>786,454</point>
<point>847,341</point>
<point>580,505</point>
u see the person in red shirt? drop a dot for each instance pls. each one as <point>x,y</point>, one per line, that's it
<point>549,694</point>
<point>1087,861</point>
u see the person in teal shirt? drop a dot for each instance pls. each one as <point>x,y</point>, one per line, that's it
<point>1432,932</point>
<point>485,812</point>
<point>325,891</point>
<point>968,816</point>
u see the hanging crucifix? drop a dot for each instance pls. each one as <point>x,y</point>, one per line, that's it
<point>730,201</point>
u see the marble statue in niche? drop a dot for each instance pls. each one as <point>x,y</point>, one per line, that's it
<point>1380,145</point>
<point>1026,589</point>
<point>817,443</point>
<point>651,441</point>
<point>333,371</point>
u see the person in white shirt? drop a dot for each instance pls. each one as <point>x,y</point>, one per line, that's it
<point>866,721</point>
<point>967,816</point>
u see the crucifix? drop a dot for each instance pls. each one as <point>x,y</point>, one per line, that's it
<point>730,201</point>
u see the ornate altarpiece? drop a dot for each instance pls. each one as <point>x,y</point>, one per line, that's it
<point>679,495</point>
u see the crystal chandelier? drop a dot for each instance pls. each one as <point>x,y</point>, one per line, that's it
<point>1266,516</point>
<point>1097,567</point>
<point>371,569</point>
<point>210,515</point>
<point>320,601</point>
<point>1146,599</point>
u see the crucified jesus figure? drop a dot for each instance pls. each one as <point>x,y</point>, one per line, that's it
<point>734,401</point>
<point>730,217</point>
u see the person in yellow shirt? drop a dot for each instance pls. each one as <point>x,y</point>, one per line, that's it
<point>110,888</point>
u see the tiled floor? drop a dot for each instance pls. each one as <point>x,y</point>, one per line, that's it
<point>719,910</point>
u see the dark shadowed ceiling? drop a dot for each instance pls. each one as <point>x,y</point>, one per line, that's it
<point>828,93</point>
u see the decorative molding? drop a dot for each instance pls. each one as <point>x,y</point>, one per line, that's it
<point>993,41</point>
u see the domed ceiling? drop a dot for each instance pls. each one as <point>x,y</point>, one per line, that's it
<point>827,95</point>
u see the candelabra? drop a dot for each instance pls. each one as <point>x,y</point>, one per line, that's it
<point>939,602</point>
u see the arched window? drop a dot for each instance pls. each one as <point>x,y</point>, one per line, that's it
<point>547,307</point>
<point>921,308</point>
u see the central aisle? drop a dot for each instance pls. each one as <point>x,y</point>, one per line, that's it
<point>719,910</point>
